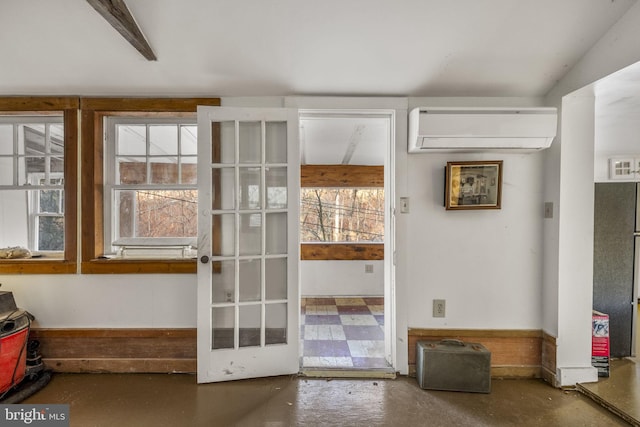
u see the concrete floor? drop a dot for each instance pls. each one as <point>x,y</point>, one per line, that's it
<point>621,391</point>
<point>176,400</point>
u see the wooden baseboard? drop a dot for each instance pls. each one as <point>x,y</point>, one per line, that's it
<point>548,361</point>
<point>118,350</point>
<point>514,353</point>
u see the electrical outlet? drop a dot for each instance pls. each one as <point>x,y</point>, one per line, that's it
<point>438,307</point>
<point>368,268</point>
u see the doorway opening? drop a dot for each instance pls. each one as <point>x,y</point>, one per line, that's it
<point>345,233</point>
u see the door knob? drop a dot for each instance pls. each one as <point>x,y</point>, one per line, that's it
<point>204,259</point>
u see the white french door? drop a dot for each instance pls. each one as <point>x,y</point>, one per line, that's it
<point>248,249</point>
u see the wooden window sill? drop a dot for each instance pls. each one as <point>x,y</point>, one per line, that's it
<point>139,266</point>
<point>37,266</point>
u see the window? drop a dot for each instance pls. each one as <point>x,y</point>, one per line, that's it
<point>150,197</point>
<point>38,184</point>
<point>139,200</point>
<point>342,212</point>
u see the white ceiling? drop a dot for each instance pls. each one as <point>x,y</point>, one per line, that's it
<point>304,47</point>
<point>295,47</point>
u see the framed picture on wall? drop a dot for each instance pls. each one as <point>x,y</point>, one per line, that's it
<point>473,185</point>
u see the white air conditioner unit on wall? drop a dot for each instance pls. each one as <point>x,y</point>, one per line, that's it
<point>454,129</point>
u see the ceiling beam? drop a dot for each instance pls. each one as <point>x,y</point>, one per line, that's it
<point>118,15</point>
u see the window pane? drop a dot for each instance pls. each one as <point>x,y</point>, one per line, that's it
<point>250,144</point>
<point>6,139</point>
<point>132,170</point>
<point>164,170</point>
<point>56,133</point>
<point>131,140</point>
<point>6,171</point>
<point>189,172</point>
<point>57,164</point>
<point>163,140</point>
<point>188,140</point>
<point>275,320</point>
<point>51,233</point>
<point>249,279</point>
<point>50,201</point>
<point>157,213</point>
<point>342,215</point>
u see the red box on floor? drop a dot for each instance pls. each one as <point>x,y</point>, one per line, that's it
<point>600,343</point>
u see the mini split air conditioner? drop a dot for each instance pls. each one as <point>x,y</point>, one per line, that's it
<point>442,129</point>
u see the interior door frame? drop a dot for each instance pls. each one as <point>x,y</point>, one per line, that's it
<point>304,109</point>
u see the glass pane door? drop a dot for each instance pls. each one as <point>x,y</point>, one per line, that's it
<point>248,179</point>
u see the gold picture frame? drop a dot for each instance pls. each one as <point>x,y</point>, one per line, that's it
<point>473,185</point>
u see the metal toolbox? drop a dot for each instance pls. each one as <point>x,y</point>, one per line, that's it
<point>7,303</point>
<point>453,365</point>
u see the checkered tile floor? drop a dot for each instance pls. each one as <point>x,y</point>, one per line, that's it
<point>343,333</point>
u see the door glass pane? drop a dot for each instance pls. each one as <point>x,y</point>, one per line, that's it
<point>223,188</point>
<point>276,278</point>
<point>6,171</point>
<point>223,235</point>
<point>275,320</point>
<point>250,234</point>
<point>276,233</point>
<point>276,142</point>
<point>250,188</point>
<point>250,289</point>
<point>223,281</point>
<point>250,319</point>
<point>223,142</point>
<point>250,144</point>
<point>223,321</point>
<point>276,188</point>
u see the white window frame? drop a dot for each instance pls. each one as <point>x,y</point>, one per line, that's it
<point>32,186</point>
<point>141,247</point>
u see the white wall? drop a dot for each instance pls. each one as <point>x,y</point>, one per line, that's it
<point>568,276</point>
<point>486,264</point>
<point>106,301</point>
<point>341,278</point>
<point>614,137</point>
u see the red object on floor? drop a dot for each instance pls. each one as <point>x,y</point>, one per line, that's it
<point>14,335</point>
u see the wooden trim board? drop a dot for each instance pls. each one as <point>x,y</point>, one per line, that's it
<point>514,353</point>
<point>118,350</point>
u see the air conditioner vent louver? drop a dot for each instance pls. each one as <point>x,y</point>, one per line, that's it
<point>480,129</point>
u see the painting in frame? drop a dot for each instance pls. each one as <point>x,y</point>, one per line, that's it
<point>473,185</point>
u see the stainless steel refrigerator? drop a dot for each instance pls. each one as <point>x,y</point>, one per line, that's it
<point>615,261</point>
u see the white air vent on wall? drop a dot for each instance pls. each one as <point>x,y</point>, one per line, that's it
<point>441,129</point>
